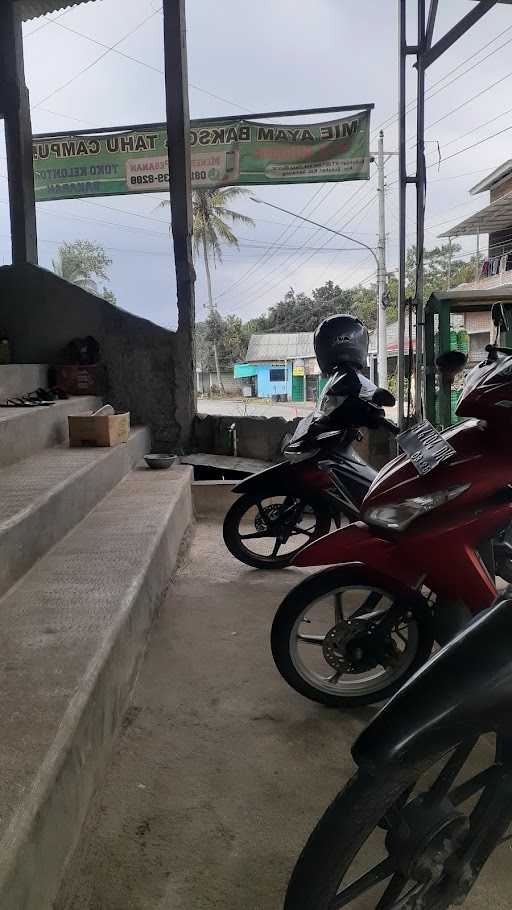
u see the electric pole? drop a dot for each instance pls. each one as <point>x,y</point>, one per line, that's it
<point>382,346</point>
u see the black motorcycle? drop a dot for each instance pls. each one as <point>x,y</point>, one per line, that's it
<point>322,478</point>
<point>432,798</point>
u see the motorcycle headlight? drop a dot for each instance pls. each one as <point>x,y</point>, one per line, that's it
<point>398,515</point>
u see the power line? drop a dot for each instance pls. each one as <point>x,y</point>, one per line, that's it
<point>468,100</point>
<point>301,265</point>
<point>45,24</point>
<point>144,63</point>
<point>411,105</point>
<point>307,240</point>
<point>89,66</point>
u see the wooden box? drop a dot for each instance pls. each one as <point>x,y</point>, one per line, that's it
<point>101,430</point>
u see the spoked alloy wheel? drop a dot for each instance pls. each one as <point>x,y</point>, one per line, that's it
<point>341,638</point>
<point>410,838</point>
<point>267,531</point>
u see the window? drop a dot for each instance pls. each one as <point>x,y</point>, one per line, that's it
<point>278,375</point>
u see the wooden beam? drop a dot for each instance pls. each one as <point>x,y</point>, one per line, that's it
<point>15,109</point>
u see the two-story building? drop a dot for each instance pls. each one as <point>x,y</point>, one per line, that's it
<point>494,267</point>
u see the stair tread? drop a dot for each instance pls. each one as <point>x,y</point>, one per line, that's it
<point>25,483</point>
<point>57,621</point>
<point>7,414</point>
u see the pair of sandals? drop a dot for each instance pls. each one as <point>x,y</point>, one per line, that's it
<point>39,398</point>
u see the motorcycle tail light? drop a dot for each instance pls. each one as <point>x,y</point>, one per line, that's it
<point>397,516</point>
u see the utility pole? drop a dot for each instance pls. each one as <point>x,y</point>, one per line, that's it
<point>382,348</point>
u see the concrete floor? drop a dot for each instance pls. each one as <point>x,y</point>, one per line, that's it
<point>221,770</point>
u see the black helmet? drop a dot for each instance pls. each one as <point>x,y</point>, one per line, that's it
<point>341,341</point>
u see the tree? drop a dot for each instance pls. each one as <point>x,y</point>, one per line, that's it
<point>441,269</point>
<point>210,216</point>
<point>81,262</point>
<point>226,336</point>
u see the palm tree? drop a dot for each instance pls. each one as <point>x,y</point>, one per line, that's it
<point>71,271</point>
<point>210,214</point>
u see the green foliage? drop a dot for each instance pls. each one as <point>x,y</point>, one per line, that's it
<point>300,312</point>
<point>229,337</point>
<point>211,214</point>
<point>439,272</point>
<point>84,262</point>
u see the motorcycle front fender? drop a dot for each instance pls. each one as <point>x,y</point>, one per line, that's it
<point>463,691</point>
<point>359,543</point>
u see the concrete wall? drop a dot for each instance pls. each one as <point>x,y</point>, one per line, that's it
<point>149,369</point>
<point>262,438</point>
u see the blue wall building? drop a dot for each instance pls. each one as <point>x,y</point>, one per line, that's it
<point>266,379</point>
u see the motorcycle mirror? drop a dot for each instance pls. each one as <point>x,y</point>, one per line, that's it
<point>383,398</point>
<point>450,363</point>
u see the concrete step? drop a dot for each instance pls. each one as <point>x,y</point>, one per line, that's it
<point>21,378</point>
<point>24,431</point>
<point>46,495</point>
<point>72,633</point>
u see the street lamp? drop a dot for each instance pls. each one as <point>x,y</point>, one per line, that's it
<point>382,379</point>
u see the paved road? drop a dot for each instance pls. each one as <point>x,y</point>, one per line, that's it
<point>252,408</point>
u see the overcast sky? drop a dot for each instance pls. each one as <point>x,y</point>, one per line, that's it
<point>269,55</point>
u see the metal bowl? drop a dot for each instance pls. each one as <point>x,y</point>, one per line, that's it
<point>160,462</point>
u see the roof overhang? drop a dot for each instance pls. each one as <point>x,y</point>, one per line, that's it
<point>495,177</point>
<point>494,217</point>
<point>461,299</point>
<point>32,9</point>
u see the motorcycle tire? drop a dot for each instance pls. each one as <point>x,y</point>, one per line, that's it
<point>369,809</point>
<point>313,685</point>
<point>235,545</point>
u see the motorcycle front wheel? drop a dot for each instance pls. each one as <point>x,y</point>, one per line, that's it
<point>266,532</point>
<point>414,835</point>
<point>343,637</point>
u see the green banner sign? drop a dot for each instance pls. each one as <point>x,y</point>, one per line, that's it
<point>240,153</point>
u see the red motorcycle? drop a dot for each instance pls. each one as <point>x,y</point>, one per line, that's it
<point>435,532</point>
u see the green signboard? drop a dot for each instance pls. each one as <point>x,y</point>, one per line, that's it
<point>240,153</point>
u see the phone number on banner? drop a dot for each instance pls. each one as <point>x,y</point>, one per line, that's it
<point>143,174</point>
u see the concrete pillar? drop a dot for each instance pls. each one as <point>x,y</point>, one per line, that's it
<point>178,137</point>
<point>15,110</point>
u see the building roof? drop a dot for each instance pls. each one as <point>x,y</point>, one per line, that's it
<point>496,176</point>
<point>280,346</point>
<point>31,9</point>
<point>497,216</point>
<point>392,338</point>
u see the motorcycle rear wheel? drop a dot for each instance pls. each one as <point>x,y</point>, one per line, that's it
<point>324,649</point>
<point>409,835</point>
<point>255,511</point>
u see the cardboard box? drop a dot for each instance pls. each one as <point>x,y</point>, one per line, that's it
<point>101,430</point>
<point>79,379</point>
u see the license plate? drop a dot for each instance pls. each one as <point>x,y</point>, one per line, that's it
<point>425,446</point>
